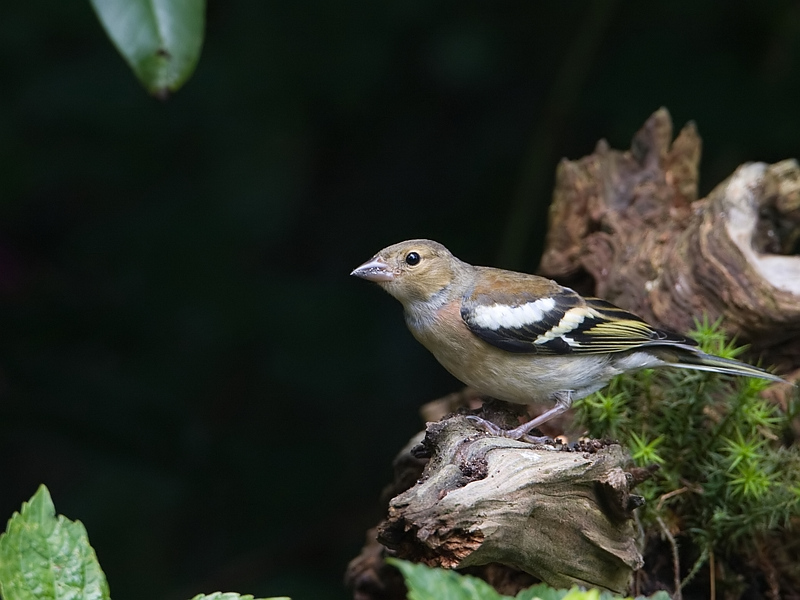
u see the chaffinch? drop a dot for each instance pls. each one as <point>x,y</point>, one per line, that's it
<point>524,338</point>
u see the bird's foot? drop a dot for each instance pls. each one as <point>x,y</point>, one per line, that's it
<point>487,426</point>
<point>537,439</point>
<point>518,433</point>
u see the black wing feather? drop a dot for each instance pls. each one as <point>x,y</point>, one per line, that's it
<point>603,328</point>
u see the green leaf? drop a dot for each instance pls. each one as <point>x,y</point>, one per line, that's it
<point>541,591</point>
<point>45,557</point>
<point>232,596</point>
<point>159,39</point>
<point>425,583</point>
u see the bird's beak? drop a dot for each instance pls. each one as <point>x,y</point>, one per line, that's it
<point>374,270</point>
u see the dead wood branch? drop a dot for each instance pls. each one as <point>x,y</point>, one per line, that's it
<point>563,517</point>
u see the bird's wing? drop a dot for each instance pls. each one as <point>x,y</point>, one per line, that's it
<point>558,321</point>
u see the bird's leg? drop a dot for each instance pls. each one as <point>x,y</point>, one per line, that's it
<point>563,402</point>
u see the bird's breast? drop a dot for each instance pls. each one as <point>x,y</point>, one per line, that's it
<point>440,329</point>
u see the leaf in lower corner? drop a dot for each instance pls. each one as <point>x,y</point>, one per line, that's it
<point>426,583</point>
<point>661,595</point>
<point>160,39</point>
<point>44,557</point>
<point>541,591</point>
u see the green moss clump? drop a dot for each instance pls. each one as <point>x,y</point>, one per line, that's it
<point>727,489</point>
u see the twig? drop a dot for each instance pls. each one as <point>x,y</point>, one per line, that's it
<point>712,576</point>
<point>676,564</point>
<point>669,495</point>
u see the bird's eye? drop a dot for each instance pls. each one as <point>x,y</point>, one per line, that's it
<point>412,258</point>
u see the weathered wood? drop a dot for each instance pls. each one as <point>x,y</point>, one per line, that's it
<point>561,516</point>
<point>631,221</point>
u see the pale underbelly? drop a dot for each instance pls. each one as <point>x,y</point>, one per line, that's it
<point>529,379</point>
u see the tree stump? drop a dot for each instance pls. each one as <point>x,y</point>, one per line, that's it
<point>631,221</point>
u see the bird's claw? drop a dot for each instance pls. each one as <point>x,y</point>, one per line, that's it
<point>519,433</point>
<point>487,426</point>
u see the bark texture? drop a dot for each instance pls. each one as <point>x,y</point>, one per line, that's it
<point>632,222</point>
<point>563,517</point>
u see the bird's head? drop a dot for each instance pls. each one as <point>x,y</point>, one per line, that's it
<point>411,271</point>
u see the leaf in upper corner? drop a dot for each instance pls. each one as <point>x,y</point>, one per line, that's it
<point>159,39</point>
<point>44,557</point>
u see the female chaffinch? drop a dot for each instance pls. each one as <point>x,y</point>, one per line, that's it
<point>524,338</point>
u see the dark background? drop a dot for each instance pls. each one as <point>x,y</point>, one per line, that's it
<point>185,361</point>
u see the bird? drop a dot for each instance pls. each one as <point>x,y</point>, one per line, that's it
<point>524,338</point>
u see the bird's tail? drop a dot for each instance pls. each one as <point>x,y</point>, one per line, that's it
<point>692,358</point>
